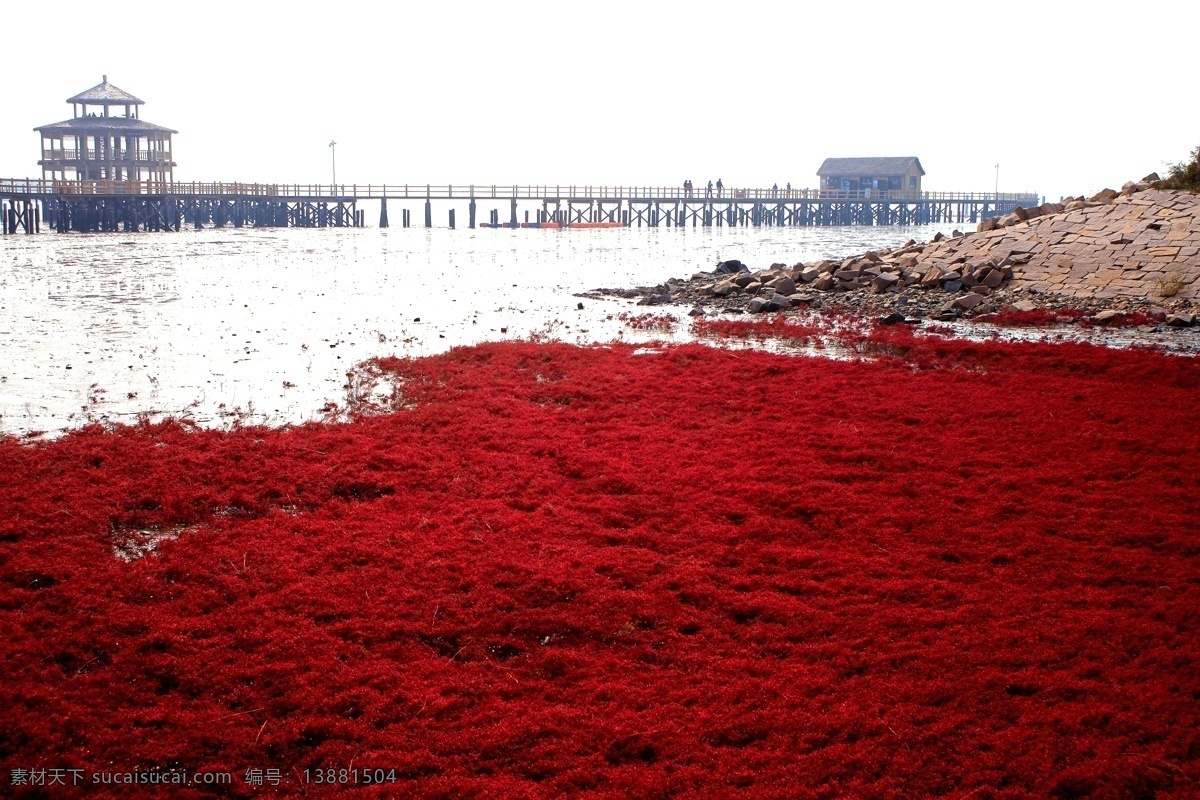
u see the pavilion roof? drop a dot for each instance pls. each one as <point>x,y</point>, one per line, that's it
<point>123,124</point>
<point>104,93</point>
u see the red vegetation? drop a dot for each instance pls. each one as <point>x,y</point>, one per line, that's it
<point>776,327</point>
<point>1043,317</point>
<point>963,569</point>
<point>649,322</point>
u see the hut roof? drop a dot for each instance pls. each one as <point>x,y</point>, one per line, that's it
<point>876,167</point>
<point>104,93</point>
<point>124,124</point>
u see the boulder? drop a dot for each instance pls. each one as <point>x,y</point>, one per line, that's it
<point>846,274</point>
<point>801,299</point>
<point>783,285</point>
<point>1103,196</point>
<point>947,311</point>
<point>810,274</point>
<point>1181,320</point>
<point>1157,313</point>
<point>823,283</point>
<point>1009,219</point>
<point>967,301</point>
<point>655,300</point>
<point>884,281</point>
<point>1050,208</point>
<point>724,289</point>
<point>952,286</point>
<point>1024,305</point>
<point>778,302</point>
<point>730,268</point>
<point>932,277</point>
<point>1020,213</point>
<point>696,311</point>
<point>1151,178</point>
<point>742,279</point>
<point>894,318</point>
<point>989,224</point>
<point>1106,316</point>
<point>992,278</point>
<point>937,237</point>
<point>756,305</point>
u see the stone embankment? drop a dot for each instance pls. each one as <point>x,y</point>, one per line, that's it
<point>1137,250</point>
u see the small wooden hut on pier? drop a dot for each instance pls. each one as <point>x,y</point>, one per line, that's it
<point>106,139</point>
<point>854,178</point>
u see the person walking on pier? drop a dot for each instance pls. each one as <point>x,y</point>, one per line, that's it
<point>708,192</point>
<point>687,188</point>
<point>720,188</point>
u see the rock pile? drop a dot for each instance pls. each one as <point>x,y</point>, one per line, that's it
<point>1133,250</point>
<point>1140,243</point>
<point>877,272</point>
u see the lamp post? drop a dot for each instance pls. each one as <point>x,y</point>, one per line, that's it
<point>333,156</point>
<point>997,183</point>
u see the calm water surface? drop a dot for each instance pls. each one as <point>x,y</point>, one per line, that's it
<point>265,323</point>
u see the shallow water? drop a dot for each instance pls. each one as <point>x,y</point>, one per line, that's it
<point>263,325</point>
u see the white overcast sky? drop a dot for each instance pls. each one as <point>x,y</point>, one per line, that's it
<point>1067,97</point>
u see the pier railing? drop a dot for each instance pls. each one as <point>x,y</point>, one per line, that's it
<point>92,154</point>
<point>358,191</point>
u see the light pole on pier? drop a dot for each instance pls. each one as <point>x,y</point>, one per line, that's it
<point>333,156</point>
<point>997,183</point>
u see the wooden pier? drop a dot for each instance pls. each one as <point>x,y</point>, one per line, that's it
<point>28,205</point>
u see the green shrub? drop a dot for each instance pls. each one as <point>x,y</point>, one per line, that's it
<point>1184,175</point>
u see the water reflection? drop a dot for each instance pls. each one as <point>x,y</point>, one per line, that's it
<point>108,326</point>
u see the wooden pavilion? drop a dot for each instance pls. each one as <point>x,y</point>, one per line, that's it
<point>106,139</point>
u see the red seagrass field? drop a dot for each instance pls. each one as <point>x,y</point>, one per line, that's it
<point>939,569</point>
